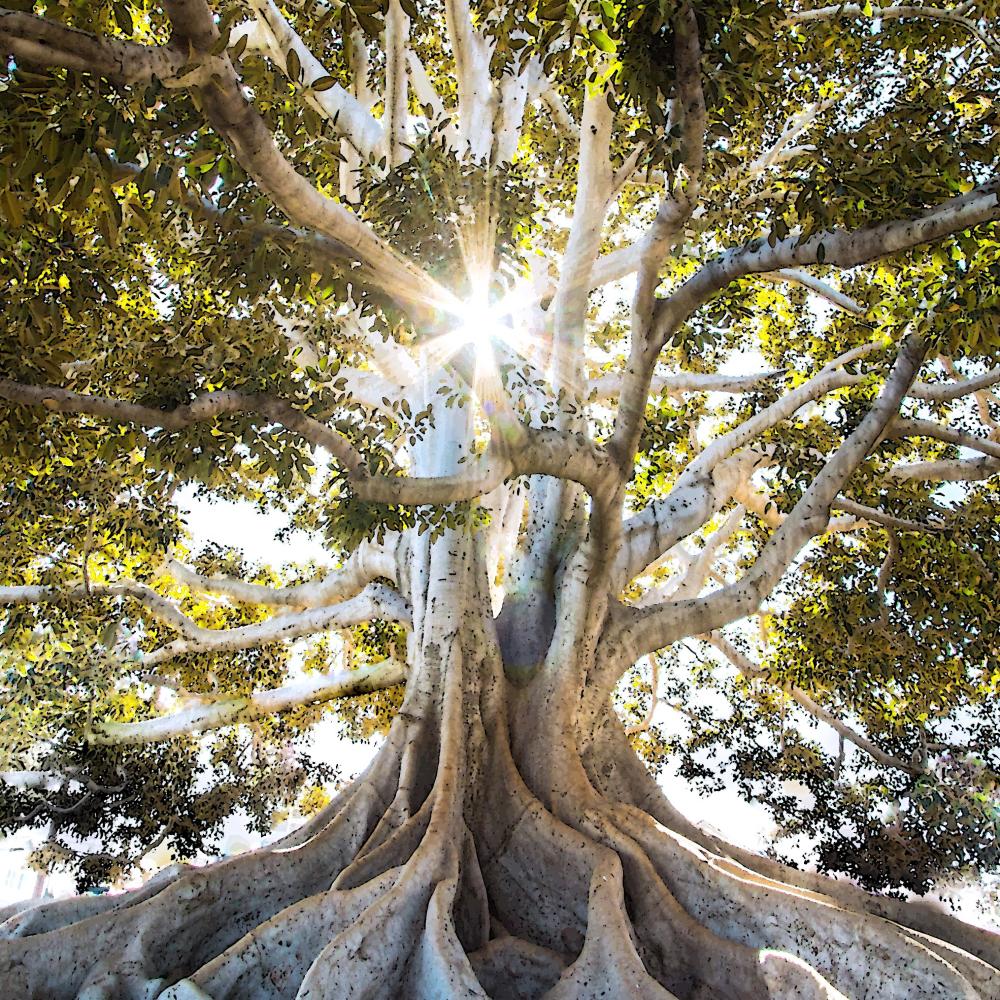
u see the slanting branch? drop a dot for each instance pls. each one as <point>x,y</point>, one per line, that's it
<point>246,133</point>
<point>752,672</point>
<point>375,601</point>
<point>901,427</point>
<point>876,516</point>
<point>350,116</point>
<point>652,629</point>
<point>205,406</point>
<point>199,718</point>
<point>943,392</point>
<point>834,296</point>
<point>711,479</point>
<point>947,470</point>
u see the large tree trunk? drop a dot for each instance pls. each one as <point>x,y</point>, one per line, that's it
<point>496,846</point>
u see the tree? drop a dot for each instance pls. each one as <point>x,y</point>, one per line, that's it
<point>366,263</point>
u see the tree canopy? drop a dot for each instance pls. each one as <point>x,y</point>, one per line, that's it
<point>234,236</point>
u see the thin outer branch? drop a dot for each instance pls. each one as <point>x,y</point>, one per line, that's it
<point>234,711</point>
<point>833,295</point>
<point>894,12</point>
<point>865,513</point>
<point>884,572</point>
<point>160,607</point>
<point>751,672</point>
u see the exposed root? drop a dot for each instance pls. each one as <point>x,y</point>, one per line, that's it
<point>510,968</point>
<point>619,774</point>
<point>271,961</point>
<point>609,965</point>
<point>852,951</point>
<point>445,873</point>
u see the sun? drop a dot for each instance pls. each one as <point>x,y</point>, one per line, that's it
<point>481,324</point>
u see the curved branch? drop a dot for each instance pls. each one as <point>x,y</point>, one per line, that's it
<point>841,247</point>
<point>865,513</point>
<point>948,470</point>
<point>794,276</point>
<point>205,406</point>
<point>710,480</point>
<point>901,427</point>
<point>234,711</point>
<point>366,563</point>
<point>942,392</point>
<point>160,607</point>
<point>653,628</point>
<point>246,133</point>
<point>375,601</point>
<point>541,452</point>
<point>349,115</point>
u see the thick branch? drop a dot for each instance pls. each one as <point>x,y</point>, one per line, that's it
<point>205,406</point>
<point>248,136</point>
<point>45,42</point>
<point>948,470</point>
<point>234,711</point>
<point>352,118</point>
<point>607,386</point>
<point>842,247</point>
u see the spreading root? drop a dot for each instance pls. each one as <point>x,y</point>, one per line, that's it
<point>445,872</point>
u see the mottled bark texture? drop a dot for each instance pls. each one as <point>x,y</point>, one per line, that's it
<point>500,844</point>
